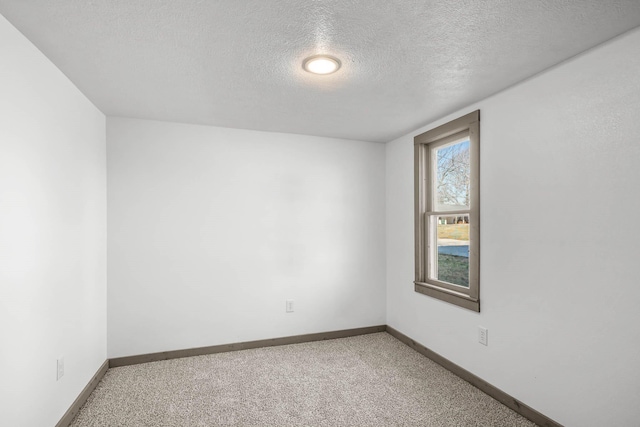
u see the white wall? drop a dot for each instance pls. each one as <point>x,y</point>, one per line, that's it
<point>212,229</point>
<point>52,236</point>
<point>560,173</point>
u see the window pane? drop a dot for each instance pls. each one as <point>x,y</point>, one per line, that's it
<point>452,176</point>
<point>453,250</point>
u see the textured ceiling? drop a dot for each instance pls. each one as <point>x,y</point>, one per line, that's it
<point>238,63</point>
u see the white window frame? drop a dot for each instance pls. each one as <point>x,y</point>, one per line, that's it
<point>425,212</point>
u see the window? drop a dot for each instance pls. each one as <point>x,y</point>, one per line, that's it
<point>447,212</point>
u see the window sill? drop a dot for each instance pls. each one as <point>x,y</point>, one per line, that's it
<point>452,297</point>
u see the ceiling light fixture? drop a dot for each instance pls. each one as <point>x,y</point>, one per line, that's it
<point>321,64</point>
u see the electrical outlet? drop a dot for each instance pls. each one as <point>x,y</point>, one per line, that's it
<point>289,306</point>
<point>483,335</point>
<point>60,373</point>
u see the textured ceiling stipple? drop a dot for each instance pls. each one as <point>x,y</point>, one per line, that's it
<point>239,63</point>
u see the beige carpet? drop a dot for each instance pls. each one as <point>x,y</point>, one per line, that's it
<point>369,380</point>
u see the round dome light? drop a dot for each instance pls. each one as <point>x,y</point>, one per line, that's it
<point>321,64</point>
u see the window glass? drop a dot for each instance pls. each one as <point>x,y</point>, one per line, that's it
<point>452,264</point>
<point>452,176</point>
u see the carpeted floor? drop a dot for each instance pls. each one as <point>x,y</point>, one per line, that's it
<point>368,380</point>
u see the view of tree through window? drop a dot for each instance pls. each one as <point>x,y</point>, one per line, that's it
<point>453,175</point>
<point>453,193</point>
